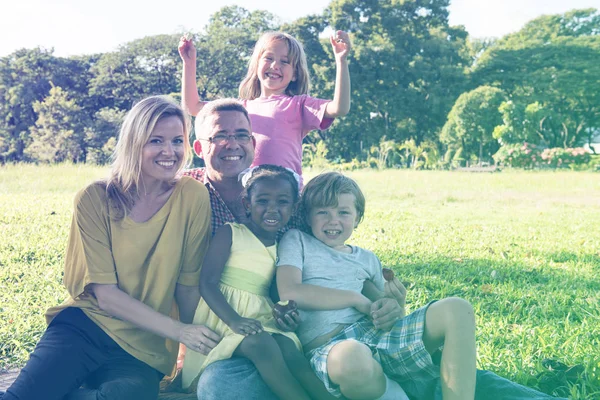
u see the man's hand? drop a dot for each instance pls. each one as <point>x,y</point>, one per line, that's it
<point>187,50</point>
<point>198,338</point>
<point>395,290</point>
<point>385,312</point>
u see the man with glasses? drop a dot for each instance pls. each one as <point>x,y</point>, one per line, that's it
<point>224,140</point>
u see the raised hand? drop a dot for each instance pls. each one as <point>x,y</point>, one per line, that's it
<point>340,42</point>
<point>198,338</point>
<point>187,50</point>
<point>246,326</point>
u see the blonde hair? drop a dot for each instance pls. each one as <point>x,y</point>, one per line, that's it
<point>324,190</point>
<point>250,86</point>
<point>125,175</point>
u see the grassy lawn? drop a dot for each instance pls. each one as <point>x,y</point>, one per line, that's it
<point>522,247</point>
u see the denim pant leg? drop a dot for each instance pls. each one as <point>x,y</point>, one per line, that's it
<point>233,379</point>
<point>493,387</point>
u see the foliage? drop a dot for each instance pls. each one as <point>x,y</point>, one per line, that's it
<point>560,157</point>
<point>529,156</point>
<point>472,121</point>
<point>522,247</point>
<point>525,155</point>
<point>57,135</point>
<point>406,67</point>
<point>550,72</point>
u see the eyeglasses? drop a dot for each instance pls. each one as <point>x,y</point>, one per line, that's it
<point>220,140</point>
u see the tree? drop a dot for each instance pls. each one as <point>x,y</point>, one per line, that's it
<point>58,132</point>
<point>407,69</point>
<point>471,123</point>
<point>26,77</point>
<point>550,71</point>
<point>141,68</point>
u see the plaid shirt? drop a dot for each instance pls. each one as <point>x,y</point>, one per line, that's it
<point>221,214</point>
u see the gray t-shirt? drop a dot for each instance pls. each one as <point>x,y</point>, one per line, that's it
<point>323,266</point>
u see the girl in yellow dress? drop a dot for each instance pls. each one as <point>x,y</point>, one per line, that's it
<point>234,282</point>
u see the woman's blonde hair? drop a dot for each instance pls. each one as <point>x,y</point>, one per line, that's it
<point>123,182</point>
<point>250,86</point>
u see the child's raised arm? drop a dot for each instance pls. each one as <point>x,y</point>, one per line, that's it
<point>340,105</point>
<point>210,276</point>
<point>190,100</point>
<point>313,297</point>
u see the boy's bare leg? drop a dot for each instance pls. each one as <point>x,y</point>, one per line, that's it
<point>451,322</point>
<point>264,352</point>
<point>351,365</point>
<point>302,370</point>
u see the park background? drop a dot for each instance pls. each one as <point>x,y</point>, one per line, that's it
<point>523,244</point>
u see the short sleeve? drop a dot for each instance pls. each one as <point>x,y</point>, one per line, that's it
<point>290,250</point>
<point>313,114</point>
<point>89,257</point>
<point>199,233</point>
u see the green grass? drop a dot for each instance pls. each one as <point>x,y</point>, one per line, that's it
<point>522,247</point>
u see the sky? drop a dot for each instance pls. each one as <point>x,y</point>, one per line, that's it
<point>75,27</point>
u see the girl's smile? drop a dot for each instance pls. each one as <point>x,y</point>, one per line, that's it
<point>270,206</point>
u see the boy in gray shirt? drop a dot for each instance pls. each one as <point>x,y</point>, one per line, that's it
<point>354,358</point>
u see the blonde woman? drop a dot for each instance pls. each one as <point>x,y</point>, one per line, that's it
<point>135,248</point>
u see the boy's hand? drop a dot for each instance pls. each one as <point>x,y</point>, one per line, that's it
<point>340,41</point>
<point>187,50</point>
<point>363,305</point>
<point>246,326</point>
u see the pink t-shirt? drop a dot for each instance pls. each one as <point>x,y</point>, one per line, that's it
<point>279,123</point>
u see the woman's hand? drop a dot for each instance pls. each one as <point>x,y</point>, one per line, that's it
<point>340,42</point>
<point>198,338</point>
<point>187,50</point>
<point>246,326</point>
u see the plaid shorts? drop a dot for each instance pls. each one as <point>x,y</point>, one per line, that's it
<point>400,351</point>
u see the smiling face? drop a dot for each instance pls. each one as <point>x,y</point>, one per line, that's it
<point>229,159</point>
<point>334,225</point>
<point>163,153</point>
<point>275,71</point>
<point>270,206</point>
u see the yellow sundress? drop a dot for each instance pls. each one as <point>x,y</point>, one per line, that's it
<point>245,283</point>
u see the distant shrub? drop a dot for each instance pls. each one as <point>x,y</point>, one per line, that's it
<point>530,156</point>
<point>524,155</point>
<point>561,158</point>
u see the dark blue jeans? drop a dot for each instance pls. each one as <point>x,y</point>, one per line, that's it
<point>237,379</point>
<point>73,352</point>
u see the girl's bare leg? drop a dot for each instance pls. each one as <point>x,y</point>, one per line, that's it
<point>351,365</point>
<point>301,369</point>
<point>451,322</point>
<point>264,352</point>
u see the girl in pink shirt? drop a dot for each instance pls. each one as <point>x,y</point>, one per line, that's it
<point>275,93</point>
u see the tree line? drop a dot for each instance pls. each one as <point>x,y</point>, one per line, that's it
<point>417,83</point>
